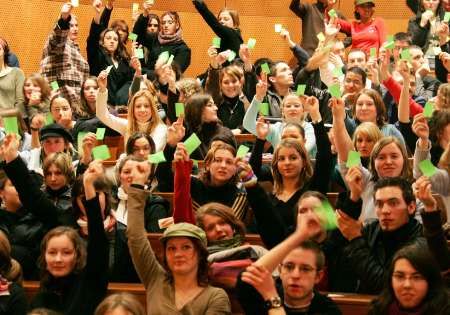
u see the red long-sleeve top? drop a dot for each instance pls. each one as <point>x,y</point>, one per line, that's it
<point>182,200</point>
<point>395,89</point>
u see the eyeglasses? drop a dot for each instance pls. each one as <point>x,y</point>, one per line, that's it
<point>302,269</point>
<point>400,277</point>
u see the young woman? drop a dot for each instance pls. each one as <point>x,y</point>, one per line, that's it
<point>142,115</point>
<point>170,39</point>
<point>120,304</point>
<point>225,26</point>
<point>414,285</point>
<point>366,31</point>
<point>292,110</point>
<point>424,26</point>
<point>73,279</point>
<point>36,93</point>
<point>61,112</point>
<point>181,284</point>
<point>105,49</point>
<point>11,82</point>
<point>13,300</point>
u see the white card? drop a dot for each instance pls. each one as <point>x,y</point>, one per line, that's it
<point>75,3</point>
<point>165,223</point>
<point>108,69</point>
<point>278,28</point>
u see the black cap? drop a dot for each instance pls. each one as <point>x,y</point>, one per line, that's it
<point>55,130</point>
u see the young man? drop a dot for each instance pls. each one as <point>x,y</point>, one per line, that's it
<point>300,264</point>
<point>370,249</point>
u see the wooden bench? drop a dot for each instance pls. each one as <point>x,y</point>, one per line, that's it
<point>350,304</point>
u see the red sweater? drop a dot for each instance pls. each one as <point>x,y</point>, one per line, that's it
<point>182,201</point>
<point>365,36</point>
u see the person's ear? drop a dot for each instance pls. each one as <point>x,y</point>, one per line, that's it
<point>271,79</point>
<point>319,276</point>
<point>411,208</point>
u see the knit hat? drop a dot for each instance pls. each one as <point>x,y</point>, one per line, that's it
<point>184,229</point>
<point>359,2</point>
<point>55,130</point>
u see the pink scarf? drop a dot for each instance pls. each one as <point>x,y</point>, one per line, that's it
<point>172,38</point>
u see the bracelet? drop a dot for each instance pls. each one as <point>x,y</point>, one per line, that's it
<point>34,129</point>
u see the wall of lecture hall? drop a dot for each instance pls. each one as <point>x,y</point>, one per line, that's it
<point>26,24</point>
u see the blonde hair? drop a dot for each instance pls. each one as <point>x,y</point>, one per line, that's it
<point>155,120</point>
<point>443,96</point>
<point>124,300</point>
<point>63,162</point>
<point>9,268</point>
<point>368,129</point>
<point>293,95</point>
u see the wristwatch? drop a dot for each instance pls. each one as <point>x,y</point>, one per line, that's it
<point>274,302</point>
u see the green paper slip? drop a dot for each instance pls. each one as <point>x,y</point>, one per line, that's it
<point>264,109</point>
<point>231,56</point>
<point>321,37</point>
<point>11,125</point>
<point>405,55</point>
<point>164,56</point>
<point>195,163</point>
<point>132,37</point>
<point>390,38</point>
<point>179,109</point>
<point>251,43</point>
<point>337,72</point>
<point>427,168</point>
<point>139,53</point>
<point>327,215</point>
<point>242,151</point>
<point>428,109</point>
<point>170,60</point>
<point>100,134</point>
<point>447,17</point>
<point>373,52</point>
<point>301,89</point>
<point>80,138</point>
<point>353,159</point>
<point>265,68</point>
<point>332,13</point>
<point>389,45</point>
<point>335,90</point>
<point>192,143</point>
<point>49,119</point>
<point>216,41</point>
<point>157,158</point>
<point>101,152</point>
<point>54,85</point>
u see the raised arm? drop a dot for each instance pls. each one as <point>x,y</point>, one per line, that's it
<point>182,208</point>
<point>342,139</point>
<point>251,114</point>
<point>144,260</point>
<point>101,107</point>
<point>57,39</point>
<point>93,41</point>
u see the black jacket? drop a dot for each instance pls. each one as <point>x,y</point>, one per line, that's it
<point>253,303</point>
<point>15,303</point>
<point>80,293</point>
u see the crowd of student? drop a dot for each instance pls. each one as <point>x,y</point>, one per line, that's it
<point>368,117</point>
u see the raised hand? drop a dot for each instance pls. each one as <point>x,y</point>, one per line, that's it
<point>37,122</point>
<point>102,81</point>
<point>147,6</point>
<point>349,227</point>
<point>445,58</point>
<point>141,172</point>
<point>176,132</point>
<point>420,127</point>
<point>262,128</point>
<point>311,106</point>
<point>66,9</point>
<point>354,181</point>
<point>181,153</point>
<point>261,87</point>
<point>422,190</point>
<point>89,142</point>
<point>9,149</point>
<point>426,17</point>
<point>212,54</point>
<point>308,225</point>
<point>261,279</point>
<point>337,109</point>
<point>97,4</point>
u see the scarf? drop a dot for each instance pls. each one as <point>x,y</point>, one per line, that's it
<point>122,211</point>
<point>217,246</point>
<point>143,127</point>
<point>170,38</point>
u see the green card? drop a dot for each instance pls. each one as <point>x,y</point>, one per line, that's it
<point>164,56</point>
<point>139,53</point>
<point>427,168</point>
<point>353,159</point>
<point>179,109</point>
<point>327,215</point>
<point>157,158</point>
<point>301,89</point>
<point>332,13</point>
<point>321,37</point>
<point>405,55</point>
<point>437,50</point>
<point>100,134</point>
<point>335,90</point>
<point>132,37</point>
<point>192,143</point>
<point>264,109</point>
<point>216,42</point>
<point>54,85</point>
<point>390,38</point>
<point>231,56</point>
<point>389,45</point>
<point>242,151</point>
<point>49,119</point>
<point>337,72</point>
<point>11,125</point>
<point>80,138</point>
<point>170,60</point>
<point>101,152</point>
<point>195,163</point>
<point>428,109</point>
<point>373,52</point>
<point>251,43</point>
<point>447,17</point>
<point>265,68</point>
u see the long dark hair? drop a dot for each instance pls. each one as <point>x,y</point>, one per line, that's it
<point>121,52</point>
<point>194,109</point>
<point>437,298</point>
